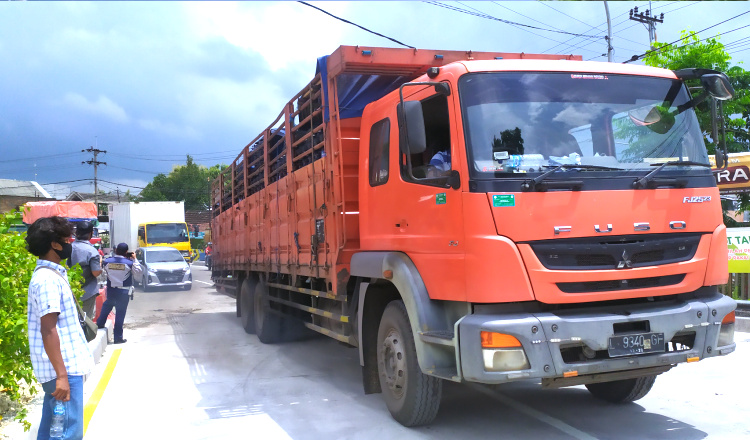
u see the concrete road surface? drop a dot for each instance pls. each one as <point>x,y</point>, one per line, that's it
<point>189,371</point>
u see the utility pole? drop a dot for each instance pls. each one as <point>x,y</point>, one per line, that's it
<point>95,163</point>
<point>648,19</point>
<point>609,34</point>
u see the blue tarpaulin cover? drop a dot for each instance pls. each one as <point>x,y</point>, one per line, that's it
<point>355,91</point>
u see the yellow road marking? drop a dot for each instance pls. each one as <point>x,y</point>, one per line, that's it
<point>88,410</point>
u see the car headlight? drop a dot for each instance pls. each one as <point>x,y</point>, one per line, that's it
<point>152,271</point>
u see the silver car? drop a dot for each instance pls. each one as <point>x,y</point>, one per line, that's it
<point>163,266</point>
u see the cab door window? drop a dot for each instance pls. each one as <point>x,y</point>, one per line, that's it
<point>379,146</point>
<point>435,161</point>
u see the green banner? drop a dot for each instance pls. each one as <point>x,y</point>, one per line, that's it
<point>738,241</point>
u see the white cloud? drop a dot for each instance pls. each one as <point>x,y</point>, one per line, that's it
<point>102,106</point>
<point>283,33</point>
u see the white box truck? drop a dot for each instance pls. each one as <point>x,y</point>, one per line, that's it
<point>143,224</point>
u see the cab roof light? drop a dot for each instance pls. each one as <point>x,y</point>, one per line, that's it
<point>498,340</point>
<point>438,57</point>
<point>729,318</point>
<point>367,53</point>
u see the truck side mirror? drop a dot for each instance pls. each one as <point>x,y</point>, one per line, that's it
<point>443,89</point>
<point>718,86</point>
<point>411,127</point>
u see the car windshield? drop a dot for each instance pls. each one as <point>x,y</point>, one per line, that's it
<point>164,256</point>
<point>525,122</point>
<point>166,233</point>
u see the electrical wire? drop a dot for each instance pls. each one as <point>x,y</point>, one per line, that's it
<point>355,24</point>
<point>38,158</point>
<point>659,49</point>
<point>490,17</point>
<point>626,20</point>
<point>515,26</point>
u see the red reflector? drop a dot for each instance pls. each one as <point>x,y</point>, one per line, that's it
<point>729,319</point>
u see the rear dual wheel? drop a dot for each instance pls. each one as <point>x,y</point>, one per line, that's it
<point>245,309</point>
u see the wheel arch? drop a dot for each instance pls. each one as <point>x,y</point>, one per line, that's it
<point>425,315</point>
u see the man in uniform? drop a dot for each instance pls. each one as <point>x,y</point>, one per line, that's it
<point>120,270</point>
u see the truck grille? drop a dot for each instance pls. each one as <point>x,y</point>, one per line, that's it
<point>598,253</point>
<point>614,285</point>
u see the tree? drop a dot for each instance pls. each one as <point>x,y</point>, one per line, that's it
<point>711,54</point>
<point>190,183</point>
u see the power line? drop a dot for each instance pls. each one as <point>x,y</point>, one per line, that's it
<point>659,49</point>
<point>490,17</point>
<point>593,27</point>
<point>355,24</point>
<point>627,20</point>
<point>515,26</point>
<point>37,158</point>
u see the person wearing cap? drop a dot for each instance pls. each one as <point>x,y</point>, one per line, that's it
<point>120,270</point>
<point>86,255</point>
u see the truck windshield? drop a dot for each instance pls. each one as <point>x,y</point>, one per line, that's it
<point>166,233</point>
<point>526,122</point>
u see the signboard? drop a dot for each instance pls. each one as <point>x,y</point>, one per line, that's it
<point>738,241</point>
<point>736,178</point>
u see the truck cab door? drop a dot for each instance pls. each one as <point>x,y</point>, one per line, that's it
<point>410,208</point>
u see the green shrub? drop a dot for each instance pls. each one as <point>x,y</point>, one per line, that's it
<point>16,268</point>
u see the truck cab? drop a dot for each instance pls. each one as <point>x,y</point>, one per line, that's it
<point>172,234</point>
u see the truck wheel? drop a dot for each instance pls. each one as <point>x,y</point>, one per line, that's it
<point>412,397</point>
<point>246,313</point>
<point>622,391</point>
<point>268,325</point>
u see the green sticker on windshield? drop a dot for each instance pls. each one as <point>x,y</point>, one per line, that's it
<point>440,199</point>
<point>502,200</point>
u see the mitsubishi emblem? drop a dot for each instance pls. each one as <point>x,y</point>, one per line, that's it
<point>625,262</point>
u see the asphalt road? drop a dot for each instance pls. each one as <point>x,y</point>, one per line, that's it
<point>189,371</point>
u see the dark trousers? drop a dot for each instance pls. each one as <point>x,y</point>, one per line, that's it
<point>119,299</point>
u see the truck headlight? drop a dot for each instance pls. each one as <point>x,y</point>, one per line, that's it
<point>503,352</point>
<point>726,334</point>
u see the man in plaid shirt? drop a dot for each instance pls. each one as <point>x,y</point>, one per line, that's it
<point>60,354</point>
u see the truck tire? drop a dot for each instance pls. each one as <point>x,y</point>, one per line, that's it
<point>412,397</point>
<point>268,325</point>
<point>622,391</point>
<point>246,313</point>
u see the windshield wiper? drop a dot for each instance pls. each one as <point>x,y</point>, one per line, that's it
<point>649,181</point>
<point>538,183</point>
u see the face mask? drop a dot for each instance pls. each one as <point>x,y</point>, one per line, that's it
<point>66,252</point>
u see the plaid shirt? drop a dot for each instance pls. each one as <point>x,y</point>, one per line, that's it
<point>50,293</point>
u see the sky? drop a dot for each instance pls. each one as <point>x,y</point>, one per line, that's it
<point>150,82</point>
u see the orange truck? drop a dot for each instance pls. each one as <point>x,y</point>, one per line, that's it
<point>74,212</point>
<point>482,217</point>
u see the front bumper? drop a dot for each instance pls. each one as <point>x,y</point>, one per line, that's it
<point>549,338</point>
<point>153,281</point>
